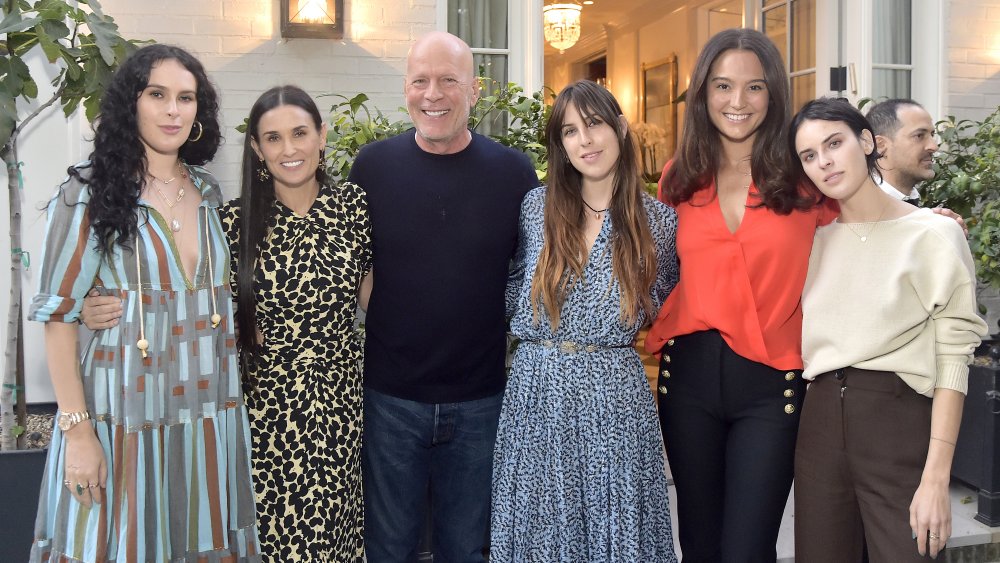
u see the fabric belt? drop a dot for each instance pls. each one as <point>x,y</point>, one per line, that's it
<point>570,347</point>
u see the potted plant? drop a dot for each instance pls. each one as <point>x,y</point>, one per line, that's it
<point>652,139</point>
<point>85,44</point>
<point>967,180</point>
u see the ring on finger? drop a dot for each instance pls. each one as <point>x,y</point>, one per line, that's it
<point>66,482</point>
<point>934,536</point>
<point>92,486</point>
<point>79,489</point>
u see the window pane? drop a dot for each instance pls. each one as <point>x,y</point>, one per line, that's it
<point>776,27</point>
<point>481,23</point>
<point>493,70</point>
<point>803,35</point>
<point>890,83</point>
<point>726,16</point>
<point>803,90</point>
<point>893,32</point>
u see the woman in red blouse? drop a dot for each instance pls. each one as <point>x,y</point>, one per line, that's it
<point>730,385</point>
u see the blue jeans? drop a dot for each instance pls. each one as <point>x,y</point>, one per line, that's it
<point>407,445</point>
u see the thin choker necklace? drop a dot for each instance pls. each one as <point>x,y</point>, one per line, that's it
<point>597,212</point>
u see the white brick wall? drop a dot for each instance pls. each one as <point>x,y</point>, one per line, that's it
<point>973,42</point>
<point>239,43</point>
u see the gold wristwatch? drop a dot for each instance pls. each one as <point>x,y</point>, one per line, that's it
<point>68,420</point>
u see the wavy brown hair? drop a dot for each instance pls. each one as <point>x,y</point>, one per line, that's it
<point>564,252</point>
<point>699,154</point>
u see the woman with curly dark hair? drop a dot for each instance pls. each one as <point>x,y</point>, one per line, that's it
<point>149,457</point>
<point>730,385</point>
<point>301,246</point>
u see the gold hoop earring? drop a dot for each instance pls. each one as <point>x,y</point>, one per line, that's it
<point>262,174</point>
<point>201,130</point>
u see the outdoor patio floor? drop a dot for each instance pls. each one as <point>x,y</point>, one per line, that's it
<point>971,541</point>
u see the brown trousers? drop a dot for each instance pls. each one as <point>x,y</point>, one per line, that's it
<point>860,452</point>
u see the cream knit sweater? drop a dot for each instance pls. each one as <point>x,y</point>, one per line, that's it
<point>903,301</point>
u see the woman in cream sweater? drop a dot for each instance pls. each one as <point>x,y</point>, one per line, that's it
<point>889,329</point>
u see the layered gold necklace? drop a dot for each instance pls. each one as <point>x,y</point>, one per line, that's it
<point>175,223</point>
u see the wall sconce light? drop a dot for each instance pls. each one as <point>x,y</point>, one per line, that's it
<point>314,19</point>
<point>561,23</point>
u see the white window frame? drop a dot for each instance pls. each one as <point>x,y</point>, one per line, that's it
<point>927,80</point>
<point>525,48</point>
<point>846,40</point>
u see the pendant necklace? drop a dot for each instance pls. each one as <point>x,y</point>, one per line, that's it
<point>175,224</point>
<point>863,235</point>
<point>597,212</point>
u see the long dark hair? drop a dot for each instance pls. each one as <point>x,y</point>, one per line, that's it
<point>564,254</point>
<point>257,213</point>
<point>700,151</point>
<point>118,163</point>
<point>833,109</point>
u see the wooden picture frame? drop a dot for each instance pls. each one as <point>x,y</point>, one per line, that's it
<point>658,102</point>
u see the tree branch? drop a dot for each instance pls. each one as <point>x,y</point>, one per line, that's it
<point>24,122</point>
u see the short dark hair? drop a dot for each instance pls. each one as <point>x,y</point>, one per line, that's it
<point>833,109</point>
<point>884,116</point>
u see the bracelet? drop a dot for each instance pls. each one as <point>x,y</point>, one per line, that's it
<point>943,440</point>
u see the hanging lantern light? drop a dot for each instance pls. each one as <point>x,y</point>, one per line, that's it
<point>561,23</point>
<point>318,19</point>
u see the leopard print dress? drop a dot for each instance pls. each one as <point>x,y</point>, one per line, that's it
<point>305,404</point>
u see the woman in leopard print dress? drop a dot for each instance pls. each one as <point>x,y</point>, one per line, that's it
<point>300,248</point>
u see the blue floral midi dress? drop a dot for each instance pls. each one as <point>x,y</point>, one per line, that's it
<point>579,472</point>
<point>173,424</point>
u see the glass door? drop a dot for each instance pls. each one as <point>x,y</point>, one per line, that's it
<point>791,24</point>
<point>858,49</point>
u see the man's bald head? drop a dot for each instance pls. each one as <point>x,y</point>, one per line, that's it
<point>440,89</point>
<point>439,45</point>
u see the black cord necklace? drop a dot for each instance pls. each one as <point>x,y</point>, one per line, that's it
<point>597,212</point>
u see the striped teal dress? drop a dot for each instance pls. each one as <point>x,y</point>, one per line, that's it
<point>173,424</point>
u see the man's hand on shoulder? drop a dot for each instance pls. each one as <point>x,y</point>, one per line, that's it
<point>952,215</point>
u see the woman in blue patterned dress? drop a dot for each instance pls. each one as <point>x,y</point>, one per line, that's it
<point>149,459</point>
<point>579,472</point>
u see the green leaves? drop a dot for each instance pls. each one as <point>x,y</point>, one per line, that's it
<point>8,115</point>
<point>967,181</point>
<point>105,34</point>
<point>13,22</point>
<point>84,44</point>
<point>352,126</point>
<point>520,120</point>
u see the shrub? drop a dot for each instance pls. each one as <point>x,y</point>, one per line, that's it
<point>967,181</point>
